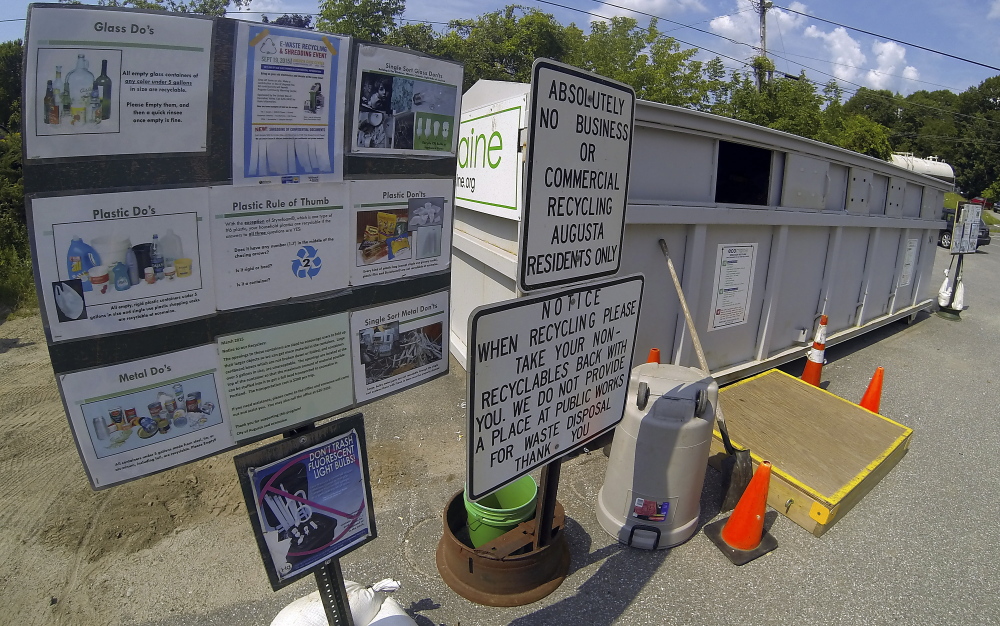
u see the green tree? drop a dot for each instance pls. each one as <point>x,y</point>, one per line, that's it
<point>419,37</point>
<point>204,7</point>
<point>295,20</point>
<point>502,45</point>
<point>865,136</point>
<point>878,105</point>
<point>10,85</point>
<point>370,20</point>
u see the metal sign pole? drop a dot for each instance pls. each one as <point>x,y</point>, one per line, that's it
<point>330,580</point>
<point>546,508</point>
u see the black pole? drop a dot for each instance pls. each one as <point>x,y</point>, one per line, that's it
<point>546,509</point>
<point>330,581</point>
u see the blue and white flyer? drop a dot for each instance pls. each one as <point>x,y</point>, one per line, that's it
<point>275,243</point>
<point>288,114</point>
<point>313,505</point>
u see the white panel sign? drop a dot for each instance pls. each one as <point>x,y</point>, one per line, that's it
<point>911,254</point>
<point>489,167</point>
<point>579,151</point>
<point>546,375</point>
<point>114,82</point>
<point>965,234</point>
<point>733,285</point>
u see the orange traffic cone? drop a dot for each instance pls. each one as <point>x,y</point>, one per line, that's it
<point>815,358</point>
<point>654,355</point>
<point>873,395</point>
<point>741,537</point>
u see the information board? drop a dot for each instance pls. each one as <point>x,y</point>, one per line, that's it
<point>547,374</point>
<point>733,285</point>
<point>579,153</point>
<point>190,305</point>
<point>309,498</point>
<point>965,232</point>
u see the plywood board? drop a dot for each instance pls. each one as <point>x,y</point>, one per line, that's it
<point>826,452</point>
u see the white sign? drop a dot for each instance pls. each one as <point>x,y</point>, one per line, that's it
<point>141,417</point>
<point>579,152</point>
<point>399,228</point>
<point>115,82</point>
<point>489,166</point>
<point>405,103</point>
<point>290,88</point>
<point>546,375</point>
<point>733,285</point>
<point>906,275</point>
<point>965,233</point>
<point>113,262</point>
<point>279,242</point>
<point>399,345</point>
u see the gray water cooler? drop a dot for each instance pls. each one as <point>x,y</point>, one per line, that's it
<point>652,489</point>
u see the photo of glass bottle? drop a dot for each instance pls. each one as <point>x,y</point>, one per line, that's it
<point>103,84</point>
<point>81,85</point>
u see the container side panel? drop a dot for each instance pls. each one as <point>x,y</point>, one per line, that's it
<point>880,287</point>
<point>802,281</point>
<point>845,291</point>
<point>669,166</point>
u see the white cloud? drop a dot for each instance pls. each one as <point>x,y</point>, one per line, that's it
<point>844,50</point>
<point>664,8</point>
<point>743,24</point>
<point>994,10</point>
<point>890,61</point>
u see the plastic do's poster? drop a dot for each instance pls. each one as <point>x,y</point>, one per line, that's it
<point>405,104</point>
<point>113,82</point>
<point>121,261</point>
<point>400,228</point>
<point>288,113</point>
<point>313,505</point>
<point>144,416</point>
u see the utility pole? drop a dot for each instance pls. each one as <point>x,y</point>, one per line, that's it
<point>761,6</point>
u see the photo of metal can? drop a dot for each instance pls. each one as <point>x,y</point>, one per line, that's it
<point>148,424</point>
<point>207,408</point>
<point>131,417</point>
<point>116,415</point>
<point>180,418</point>
<point>155,408</point>
<point>179,392</point>
<point>100,428</point>
<point>164,425</point>
<point>170,406</point>
<point>193,400</point>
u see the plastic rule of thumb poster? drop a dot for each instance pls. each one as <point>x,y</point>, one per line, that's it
<point>309,498</point>
<point>288,114</point>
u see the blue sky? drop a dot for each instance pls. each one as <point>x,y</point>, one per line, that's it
<point>964,28</point>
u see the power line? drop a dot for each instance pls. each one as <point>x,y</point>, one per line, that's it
<point>905,43</point>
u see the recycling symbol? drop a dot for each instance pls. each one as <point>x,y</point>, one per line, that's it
<point>268,47</point>
<point>308,263</point>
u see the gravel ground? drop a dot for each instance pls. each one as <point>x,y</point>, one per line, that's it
<point>176,548</point>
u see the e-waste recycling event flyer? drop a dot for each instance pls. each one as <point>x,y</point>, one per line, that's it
<point>288,115</point>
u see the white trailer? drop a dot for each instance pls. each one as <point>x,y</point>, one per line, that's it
<point>768,230</point>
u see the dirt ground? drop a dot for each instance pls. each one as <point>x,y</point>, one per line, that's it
<point>173,544</point>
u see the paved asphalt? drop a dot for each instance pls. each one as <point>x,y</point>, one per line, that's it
<point>921,548</point>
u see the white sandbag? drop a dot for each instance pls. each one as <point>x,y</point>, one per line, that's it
<point>392,614</point>
<point>365,603</point>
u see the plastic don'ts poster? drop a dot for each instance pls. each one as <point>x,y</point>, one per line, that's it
<point>288,105</point>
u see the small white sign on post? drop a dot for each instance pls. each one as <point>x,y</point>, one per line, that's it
<point>579,151</point>
<point>965,233</point>
<point>546,375</point>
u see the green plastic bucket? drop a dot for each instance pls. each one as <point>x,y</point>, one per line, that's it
<point>502,510</point>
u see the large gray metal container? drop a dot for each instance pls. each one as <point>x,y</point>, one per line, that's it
<point>652,489</point>
<point>835,232</point>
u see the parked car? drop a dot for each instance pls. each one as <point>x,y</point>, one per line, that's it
<point>944,236</point>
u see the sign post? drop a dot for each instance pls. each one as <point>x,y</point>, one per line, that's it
<point>964,240</point>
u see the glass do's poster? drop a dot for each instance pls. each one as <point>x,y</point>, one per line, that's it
<point>290,85</point>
